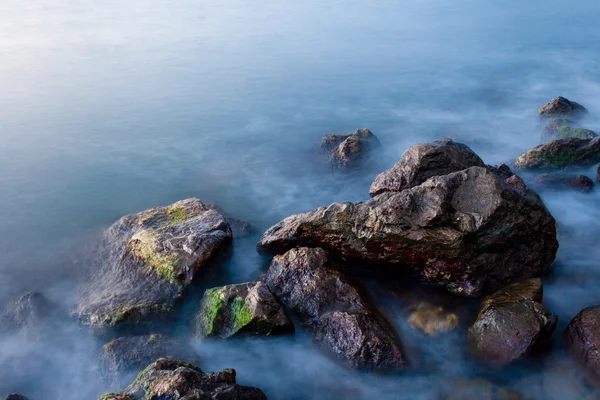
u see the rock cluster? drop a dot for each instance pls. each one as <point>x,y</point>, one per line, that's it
<point>348,150</point>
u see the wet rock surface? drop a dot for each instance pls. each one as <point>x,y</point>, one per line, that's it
<point>583,339</point>
<point>144,263</point>
<point>344,323</point>
<point>511,323</point>
<point>561,154</point>
<point>348,150</point>
<point>562,108</point>
<point>247,309</point>
<point>122,356</point>
<point>178,380</point>
<point>423,161</point>
<point>32,317</point>
<point>469,230</point>
<point>564,182</point>
<point>432,320</point>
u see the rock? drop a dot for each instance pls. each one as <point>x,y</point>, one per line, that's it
<point>432,320</point>
<point>511,323</point>
<point>583,339</point>
<point>239,228</point>
<point>144,263</point>
<point>559,129</point>
<point>344,323</point>
<point>14,396</point>
<point>564,182</point>
<point>478,389</point>
<point>244,309</point>
<point>346,150</point>
<point>177,380</point>
<point>115,396</point>
<point>31,316</point>
<point>560,154</point>
<point>468,230</point>
<point>423,161</point>
<point>132,353</point>
<point>562,108</point>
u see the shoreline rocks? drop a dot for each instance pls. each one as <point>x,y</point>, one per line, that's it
<point>472,231</point>
<point>511,323</point>
<point>247,309</point>
<point>145,262</point>
<point>343,322</point>
<point>348,150</point>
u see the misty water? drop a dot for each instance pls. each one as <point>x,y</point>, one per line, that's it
<point>109,108</point>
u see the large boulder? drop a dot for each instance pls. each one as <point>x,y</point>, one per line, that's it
<point>178,380</point>
<point>560,154</point>
<point>469,230</point>
<point>511,323</point>
<point>344,323</point>
<point>564,182</point>
<point>583,339</point>
<point>32,317</point>
<point>248,309</point>
<point>423,161</point>
<point>562,108</point>
<point>125,355</point>
<point>346,150</point>
<point>145,262</point>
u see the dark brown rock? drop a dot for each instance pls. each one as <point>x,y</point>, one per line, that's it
<point>564,182</point>
<point>561,154</point>
<point>562,108</point>
<point>344,323</point>
<point>177,380</point>
<point>511,323</point>
<point>347,150</point>
<point>469,231</point>
<point>124,355</point>
<point>247,309</point>
<point>144,263</point>
<point>583,339</point>
<point>423,161</point>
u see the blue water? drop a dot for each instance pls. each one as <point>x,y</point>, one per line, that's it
<point>108,108</point>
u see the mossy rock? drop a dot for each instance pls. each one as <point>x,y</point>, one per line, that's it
<point>561,154</point>
<point>560,128</point>
<point>144,263</point>
<point>244,309</point>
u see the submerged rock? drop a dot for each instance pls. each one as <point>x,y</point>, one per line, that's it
<point>177,380</point>
<point>559,129</point>
<point>144,263</point>
<point>344,323</point>
<point>432,320</point>
<point>14,396</point>
<point>346,150</point>
<point>244,309</point>
<point>423,161</point>
<point>583,339</point>
<point>131,354</point>
<point>478,389</point>
<point>564,182</point>
<point>511,323</point>
<point>560,154</point>
<point>32,317</point>
<point>562,108</point>
<point>469,231</point>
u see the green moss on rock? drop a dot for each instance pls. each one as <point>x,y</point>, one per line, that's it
<point>581,133</point>
<point>241,314</point>
<point>211,306</point>
<point>145,246</point>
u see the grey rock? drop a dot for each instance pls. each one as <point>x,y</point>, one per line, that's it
<point>348,150</point>
<point>562,108</point>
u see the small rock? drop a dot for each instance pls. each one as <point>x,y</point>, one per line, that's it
<point>344,323</point>
<point>169,379</point>
<point>423,161</point>
<point>561,154</point>
<point>347,150</point>
<point>559,129</point>
<point>562,108</point>
<point>145,262</point>
<point>31,316</point>
<point>432,320</point>
<point>244,309</point>
<point>562,182</point>
<point>131,354</point>
<point>511,323</point>
<point>583,339</point>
